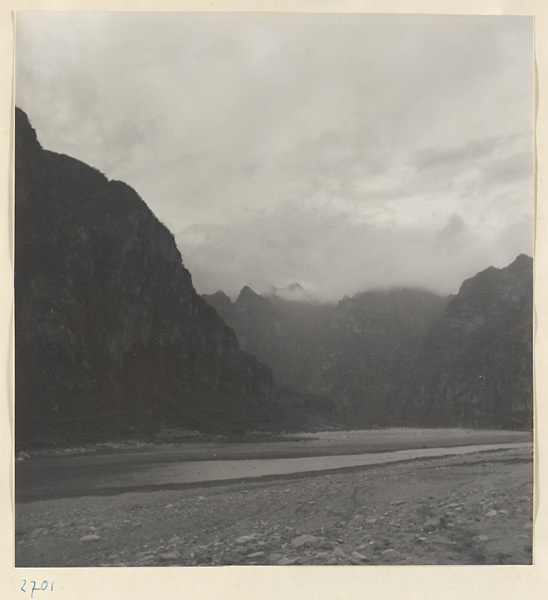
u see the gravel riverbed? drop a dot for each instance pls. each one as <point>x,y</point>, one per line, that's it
<point>473,509</point>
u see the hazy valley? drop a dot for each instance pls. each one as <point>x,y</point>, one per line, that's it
<point>402,356</point>
<point>126,378</point>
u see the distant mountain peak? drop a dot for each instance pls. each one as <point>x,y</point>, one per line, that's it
<point>508,286</point>
<point>220,302</point>
<point>522,262</point>
<point>218,294</point>
<point>246,292</point>
<point>293,291</point>
<point>249,299</point>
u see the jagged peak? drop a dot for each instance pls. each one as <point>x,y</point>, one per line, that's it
<point>217,294</point>
<point>247,293</point>
<point>496,287</point>
<point>522,261</point>
<point>294,291</point>
<point>22,120</point>
<point>220,302</point>
<point>521,265</point>
<point>24,129</point>
<point>247,290</point>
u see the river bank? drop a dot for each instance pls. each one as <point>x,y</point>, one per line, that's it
<point>471,509</point>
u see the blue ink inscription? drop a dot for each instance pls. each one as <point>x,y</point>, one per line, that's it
<point>43,587</point>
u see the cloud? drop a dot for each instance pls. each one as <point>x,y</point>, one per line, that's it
<point>299,147</point>
<point>469,153</point>
<point>330,254</point>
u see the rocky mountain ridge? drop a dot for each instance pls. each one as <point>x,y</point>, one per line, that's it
<point>403,356</point>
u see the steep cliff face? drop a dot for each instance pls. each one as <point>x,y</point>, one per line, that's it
<point>473,366</point>
<point>110,333</point>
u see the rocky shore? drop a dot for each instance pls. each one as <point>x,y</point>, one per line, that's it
<point>474,509</point>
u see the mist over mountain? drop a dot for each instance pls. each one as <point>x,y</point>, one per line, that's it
<point>286,334</point>
<point>294,291</point>
<point>329,349</point>
<point>403,356</point>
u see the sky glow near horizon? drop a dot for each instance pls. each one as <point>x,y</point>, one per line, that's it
<point>345,152</point>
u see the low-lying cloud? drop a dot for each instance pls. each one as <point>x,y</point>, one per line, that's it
<point>330,255</point>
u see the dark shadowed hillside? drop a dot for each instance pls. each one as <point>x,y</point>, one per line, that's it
<point>403,356</point>
<point>334,351</point>
<point>473,366</point>
<point>286,335</point>
<point>363,332</point>
<point>111,337</point>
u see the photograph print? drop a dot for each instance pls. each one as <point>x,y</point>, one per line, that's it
<point>273,289</point>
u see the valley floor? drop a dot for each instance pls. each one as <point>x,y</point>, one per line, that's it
<point>468,509</point>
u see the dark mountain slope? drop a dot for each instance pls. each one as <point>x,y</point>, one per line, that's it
<point>284,334</point>
<point>473,366</point>
<point>111,336</point>
<point>404,356</point>
<point>329,350</point>
<point>221,303</point>
<point>362,333</point>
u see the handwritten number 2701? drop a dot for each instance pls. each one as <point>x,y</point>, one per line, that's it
<point>43,587</point>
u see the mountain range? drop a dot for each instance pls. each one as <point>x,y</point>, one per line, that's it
<point>329,349</point>
<point>111,338</point>
<point>402,356</point>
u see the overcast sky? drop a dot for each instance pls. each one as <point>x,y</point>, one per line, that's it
<point>345,152</point>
